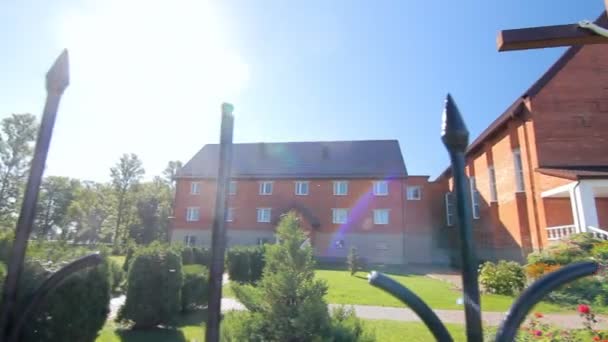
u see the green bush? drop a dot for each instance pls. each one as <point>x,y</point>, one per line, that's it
<point>6,243</point>
<point>353,260</point>
<point>506,277</point>
<point>245,264</point>
<point>130,251</point>
<point>346,326</point>
<point>195,287</point>
<point>202,256</point>
<point>74,311</point>
<point>154,285</point>
<point>600,251</point>
<point>287,303</point>
<point>187,255</point>
<point>117,276</point>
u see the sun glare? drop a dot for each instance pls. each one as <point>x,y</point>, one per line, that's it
<point>173,51</point>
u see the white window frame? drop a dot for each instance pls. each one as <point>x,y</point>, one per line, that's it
<point>449,209</point>
<point>190,216</point>
<point>195,188</point>
<point>336,219</point>
<point>410,196</point>
<point>230,215</point>
<point>190,240</point>
<point>379,215</point>
<point>519,171</point>
<point>263,188</point>
<point>381,188</point>
<point>339,244</point>
<point>474,197</point>
<point>337,188</point>
<point>299,186</point>
<point>264,218</point>
<point>492,181</point>
<point>232,186</point>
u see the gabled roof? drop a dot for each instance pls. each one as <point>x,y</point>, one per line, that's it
<point>331,159</point>
<point>576,172</point>
<point>518,106</point>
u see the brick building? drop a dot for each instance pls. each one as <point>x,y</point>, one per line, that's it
<point>348,193</point>
<point>538,173</point>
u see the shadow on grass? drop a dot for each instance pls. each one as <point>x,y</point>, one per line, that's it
<point>194,317</point>
<point>151,335</point>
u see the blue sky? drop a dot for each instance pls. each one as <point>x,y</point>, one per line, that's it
<point>149,77</point>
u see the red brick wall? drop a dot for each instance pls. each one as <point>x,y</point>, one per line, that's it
<point>558,211</point>
<point>418,213</point>
<point>320,201</point>
<point>571,112</point>
<point>602,212</point>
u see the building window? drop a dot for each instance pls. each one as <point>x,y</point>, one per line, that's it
<point>474,197</point>
<point>190,240</point>
<point>519,171</point>
<point>192,214</point>
<point>414,193</point>
<point>492,177</point>
<point>341,188</point>
<point>339,216</point>
<point>232,188</point>
<point>449,208</point>
<point>264,215</point>
<point>195,188</point>
<point>381,216</point>
<point>230,215</point>
<point>339,244</point>
<point>301,188</point>
<point>382,246</point>
<point>380,188</point>
<point>265,188</point>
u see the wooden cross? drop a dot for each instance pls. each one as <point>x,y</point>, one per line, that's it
<point>582,33</point>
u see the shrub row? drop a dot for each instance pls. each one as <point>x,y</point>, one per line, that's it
<point>196,255</point>
<point>245,264</point>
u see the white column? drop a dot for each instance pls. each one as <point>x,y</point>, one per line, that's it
<point>582,199</point>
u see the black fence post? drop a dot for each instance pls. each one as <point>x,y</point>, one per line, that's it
<point>455,137</point>
<point>218,238</point>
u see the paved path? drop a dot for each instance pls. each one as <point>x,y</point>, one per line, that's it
<point>447,316</point>
<point>406,315</point>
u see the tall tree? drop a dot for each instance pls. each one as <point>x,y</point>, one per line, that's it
<point>153,207</point>
<point>170,172</point>
<point>125,174</point>
<point>90,213</point>
<point>56,195</point>
<point>16,148</point>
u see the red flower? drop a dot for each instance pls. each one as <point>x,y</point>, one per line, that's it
<point>538,315</point>
<point>596,338</point>
<point>584,309</point>
<point>538,333</point>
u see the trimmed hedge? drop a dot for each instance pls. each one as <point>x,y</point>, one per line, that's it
<point>195,287</point>
<point>196,255</point>
<point>505,277</point>
<point>245,264</point>
<point>153,288</point>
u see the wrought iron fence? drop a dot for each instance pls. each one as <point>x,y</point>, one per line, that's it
<point>455,137</point>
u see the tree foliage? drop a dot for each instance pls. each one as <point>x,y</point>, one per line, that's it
<point>125,175</point>
<point>16,147</point>
<point>55,198</point>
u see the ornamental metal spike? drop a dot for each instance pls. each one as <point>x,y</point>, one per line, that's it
<point>58,76</point>
<point>57,79</point>
<point>454,132</point>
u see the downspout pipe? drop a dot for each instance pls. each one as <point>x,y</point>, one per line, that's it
<point>574,199</point>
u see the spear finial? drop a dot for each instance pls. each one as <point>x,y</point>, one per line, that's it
<point>58,76</point>
<point>454,132</point>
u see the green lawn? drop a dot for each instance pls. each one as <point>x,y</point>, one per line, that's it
<point>194,268</point>
<point>192,329</point>
<point>347,289</point>
<point>393,331</point>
